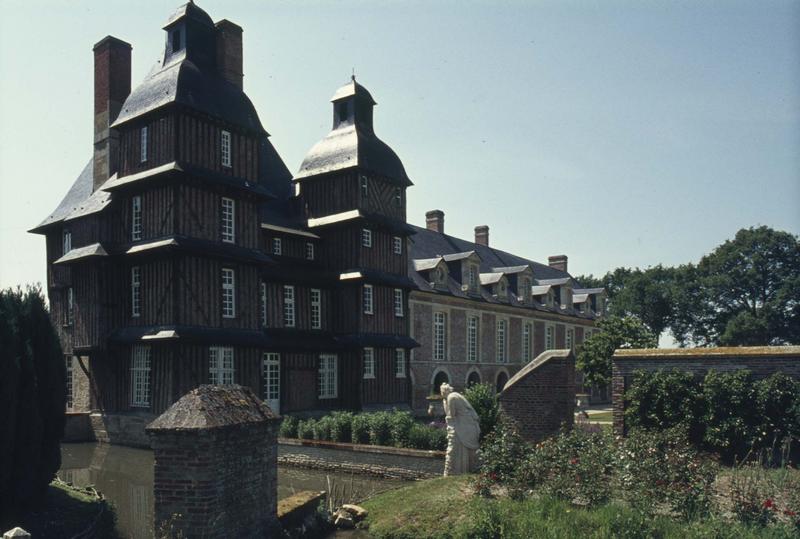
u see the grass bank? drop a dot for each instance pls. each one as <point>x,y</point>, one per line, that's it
<point>446,508</point>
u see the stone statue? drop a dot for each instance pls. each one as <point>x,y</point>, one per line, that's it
<point>463,431</point>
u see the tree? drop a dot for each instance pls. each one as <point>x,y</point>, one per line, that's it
<point>746,292</point>
<point>594,355</point>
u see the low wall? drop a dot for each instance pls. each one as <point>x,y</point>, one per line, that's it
<point>122,428</point>
<point>762,361</point>
<point>391,462</point>
<point>77,428</point>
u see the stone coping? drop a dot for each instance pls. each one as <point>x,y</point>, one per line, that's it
<point>363,448</point>
<point>77,414</point>
<point>729,351</point>
<point>297,506</point>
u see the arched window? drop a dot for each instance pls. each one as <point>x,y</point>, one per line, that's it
<point>502,378</point>
<point>440,378</point>
<point>473,378</point>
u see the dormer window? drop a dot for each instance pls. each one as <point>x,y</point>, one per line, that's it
<point>524,290</point>
<point>176,40</point>
<point>557,296</point>
<point>473,277</point>
<point>225,149</point>
<point>341,112</point>
<point>501,289</point>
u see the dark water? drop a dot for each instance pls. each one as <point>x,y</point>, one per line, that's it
<point>125,477</point>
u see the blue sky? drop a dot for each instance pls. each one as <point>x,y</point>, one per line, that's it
<point>618,133</point>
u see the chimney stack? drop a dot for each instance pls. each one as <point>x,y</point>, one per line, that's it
<point>112,84</point>
<point>434,220</point>
<point>229,52</point>
<point>558,262</point>
<point>482,235</point>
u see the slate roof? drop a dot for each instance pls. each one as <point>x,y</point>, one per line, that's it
<point>82,253</point>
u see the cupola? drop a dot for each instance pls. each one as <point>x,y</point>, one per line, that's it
<point>191,34</point>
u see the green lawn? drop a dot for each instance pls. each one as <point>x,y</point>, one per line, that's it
<point>601,416</point>
<point>445,508</point>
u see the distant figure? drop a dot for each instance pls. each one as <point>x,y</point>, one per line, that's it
<point>463,431</point>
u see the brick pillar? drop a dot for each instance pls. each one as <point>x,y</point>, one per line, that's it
<point>112,84</point>
<point>482,235</point>
<point>434,220</point>
<point>229,52</point>
<point>216,464</point>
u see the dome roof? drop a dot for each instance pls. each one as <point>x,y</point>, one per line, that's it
<point>190,10</point>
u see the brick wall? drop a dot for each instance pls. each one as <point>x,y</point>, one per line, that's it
<point>762,361</point>
<point>540,398</point>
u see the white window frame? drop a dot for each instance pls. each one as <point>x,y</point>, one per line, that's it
<point>228,293</point>
<point>399,310</point>
<point>473,331</point>
<point>527,339</point>
<point>221,366</point>
<point>399,363</point>
<point>225,149</point>
<point>501,340</point>
<point>366,237</point>
<point>472,276</point>
<point>271,377</point>
<point>143,144</point>
<point>228,220</point>
<point>368,354</point>
<point>140,376</point>
<point>328,376</point>
<point>136,292</point>
<point>367,299</point>
<point>309,251</point>
<point>66,241</point>
<point>289,318</point>
<point>263,299</point>
<point>397,245</point>
<point>70,380</point>
<point>70,306</point>
<point>439,336</point>
<point>136,218</point>
<point>550,337</point>
<point>569,338</point>
<point>277,246</point>
<point>316,308</point>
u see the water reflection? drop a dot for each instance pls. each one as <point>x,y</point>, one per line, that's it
<point>125,477</point>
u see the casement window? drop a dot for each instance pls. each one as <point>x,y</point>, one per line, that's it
<point>364,186</point>
<point>399,363</point>
<point>140,376</point>
<point>70,306</point>
<point>271,376</point>
<point>472,338</point>
<point>228,293</point>
<point>570,338</point>
<point>398,303</point>
<point>473,277</point>
<point>316,309</point>
<point>136,218</point>
<point>263,290</point>
<point>225,149</point>
<point>67,241</point>
<point>549,338</point>
<point>68,362</point>
<point>397,245</point>
<point>524,290</point>
<point>136,292</point>
<point>143,145</point>
<point>328,375</point>
<point>366,298</point>
<point>277,248</point>
<point>501,341</point>
<point>228,220</point>
<point>439,336</point>
<point>398,197</point>
<point>527,333</point>
<point>309,251</point>
<point>369,362</point>
<point>366,237</point>
<point>220,365</point>
<point>288,306</point>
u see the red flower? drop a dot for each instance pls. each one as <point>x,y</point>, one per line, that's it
<point>574,461</point>
<point>768,504</point>
<point>789,513</point>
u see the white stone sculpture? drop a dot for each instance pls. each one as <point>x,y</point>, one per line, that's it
<point>463,432</point>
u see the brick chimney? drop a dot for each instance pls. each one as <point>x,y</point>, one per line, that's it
<point>482,235</point>
<point>558,262</point>
<point>112,84</point>
<point>229,52</point>
<point>434,220</point>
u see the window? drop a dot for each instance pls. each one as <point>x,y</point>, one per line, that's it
<point>143,145</point>
<point>397,245</point>
<point>364,186</point>
<point>524,290</point>
<point>327,376</point>
<point>473,277</point>
<point>220,365</point>
<point>316,309</point>
<point>276,246</point>
<point>68,361</point>
<point>570,338</point>
<point>70,306</point>
<point>398,303</point>
<point>136,292</point>
<point>263,304</point>
<point>342,110</point>
<point>288,306</point>
<point>176,40</point>
<point>549,338</point>
<point>472,338</point>
<point>439,336</point>
<point>398,197</point>
<point>369,363</point>
<point>228,293</point>
<point>228,220</point>
<point>527,331</point>
<point>226,149</point>
<point>366,237</point>
<point>140,376</point>
<point>136,218</point>
<point>67,237</point>
<point>501,341</point>
<point>309,251</point>
<point>399,363</point>
<point>271,376</point>
<point>366,298</point>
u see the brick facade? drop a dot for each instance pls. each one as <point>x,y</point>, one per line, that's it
<point>762,361</point>
<point>540,398</point>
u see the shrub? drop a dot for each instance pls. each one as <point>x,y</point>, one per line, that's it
<point>401,423</point>
<point>483,399</point>
<point>437,438</point>
<point>419,437</point>
<point>305,429</point>
<point>288,428</point>
<point>730,416</point>
<point>359,429</point>
<point>341,426</point>
<point>777,401</point>
<point>322,428</point>
<point>380,428</point>
<point>501,453</point>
